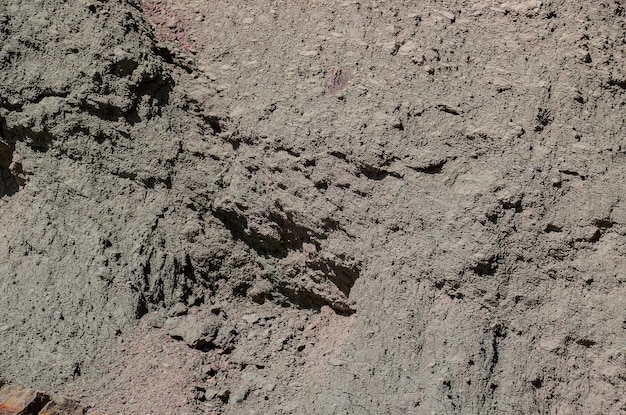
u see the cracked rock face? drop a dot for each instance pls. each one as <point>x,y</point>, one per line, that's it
<point>243,207</point>
<point>16,400</point>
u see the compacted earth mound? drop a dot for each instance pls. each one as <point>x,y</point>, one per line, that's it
<point>313,207</point>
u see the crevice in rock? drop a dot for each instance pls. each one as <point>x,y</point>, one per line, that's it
<point>486,267</point>
<point>552,228</point>
<point>620,83</point>
<point>8,182</point>
<point>291,235</point>
<point>302,298</point>
<point>586,342</point>
<point>311,300</point>
<point>497,335</point>
<point>543,117</point>
<point>214,123</point>
<point>158,87</point>
<point>431,168</point>
<point>170,56</point>
<point>339,155</point>
<point>569,172</point>
<point>341,276</point>
<point>447,109</point>
<point>604,224</point>
<point>375,173</point>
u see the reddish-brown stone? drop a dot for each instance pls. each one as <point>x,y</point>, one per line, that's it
<point>17,400</point>
<point>63,406</point>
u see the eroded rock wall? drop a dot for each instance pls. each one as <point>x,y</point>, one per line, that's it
<point>88,154</point>
<point>346,207</point>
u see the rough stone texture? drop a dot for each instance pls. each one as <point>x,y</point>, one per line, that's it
<point>83,115</point>
<point>341,207</point>
<point>63,406</point>
<point>18,400</point>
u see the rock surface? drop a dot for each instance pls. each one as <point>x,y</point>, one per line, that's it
<point>315,207</point>
<point>18,400</point>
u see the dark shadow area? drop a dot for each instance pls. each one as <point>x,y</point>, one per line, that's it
<point>375,173</point>
<point>432,168</point>
<point>343,277</point>
<point>8,183</point>
<point>291,235</point>
<point>313,301</point>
